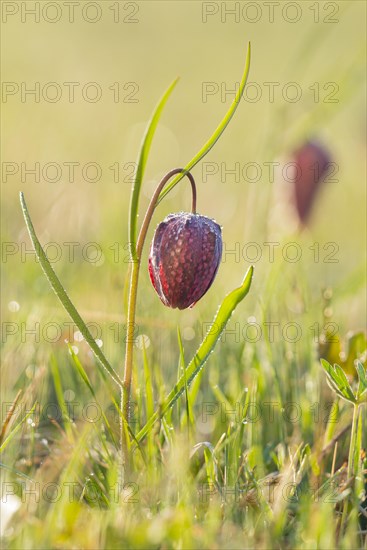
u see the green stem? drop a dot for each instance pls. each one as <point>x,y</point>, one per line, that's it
<point>350,470</point>
<point>131,311</point>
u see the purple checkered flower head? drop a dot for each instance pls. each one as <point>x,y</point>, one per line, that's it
<point>184,258</point>
<point>313,163</point>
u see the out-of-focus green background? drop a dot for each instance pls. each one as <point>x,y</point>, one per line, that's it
<point>201,43</point>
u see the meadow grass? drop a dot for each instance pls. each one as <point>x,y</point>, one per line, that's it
<point>236,463</point>
<point>254,451</point>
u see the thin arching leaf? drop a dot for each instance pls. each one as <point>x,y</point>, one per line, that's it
<point>62,295</point>
<point>218,132</point>
<point>140,169</point>
<point>220,321</point>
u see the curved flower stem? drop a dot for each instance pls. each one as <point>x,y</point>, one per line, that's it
<point>133,291</point>
<point>153,204</point>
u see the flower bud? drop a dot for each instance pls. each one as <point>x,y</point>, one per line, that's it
<point>312,163</point>
<point>184,258</point>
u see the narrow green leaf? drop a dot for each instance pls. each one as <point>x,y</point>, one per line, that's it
<point>359,474</point>
<point>211,462</point>
<point>16,429</point>
<point>15,472</point>
<point>194,388</point>
<point>331,423</point>
<point>362,379</point>
<point>81,370</point>
<point>183,366</point>
<point>141,164</point>
<point>149,397</point>
<point>9,416</point>
<point>60,396</point>
<point>354,449</point>
<point>218,132</point>
<point>62,295</point>
<point>221,318</point>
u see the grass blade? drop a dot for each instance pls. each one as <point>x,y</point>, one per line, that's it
<point>9,416</point>
<point>183,367</point>
<point>15,472</point>
<point>141,164</point>
<point>149,397</point>
<point>87,382</point>
<point>62,295</point>
<point>16,429</point>
<point>218,132</point>
<point>223,315</point>
<point>56,379</point>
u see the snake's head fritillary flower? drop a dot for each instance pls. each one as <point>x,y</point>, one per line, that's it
<point>312,163</point>
<point>184,258</point>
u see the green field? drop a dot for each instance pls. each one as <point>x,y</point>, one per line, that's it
<point>257,450</point>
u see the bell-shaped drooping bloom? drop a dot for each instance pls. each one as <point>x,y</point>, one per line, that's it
<point>312,163</point>
<point>184,258</point>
